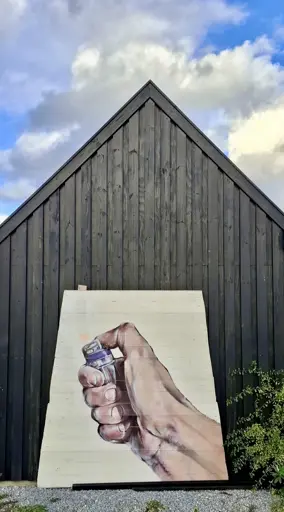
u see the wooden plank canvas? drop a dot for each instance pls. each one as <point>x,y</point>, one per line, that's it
<point>149,414</point>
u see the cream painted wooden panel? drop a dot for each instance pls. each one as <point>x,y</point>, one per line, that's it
<point>174,324</point>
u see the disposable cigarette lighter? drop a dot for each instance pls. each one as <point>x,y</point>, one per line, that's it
<point>101,359</point>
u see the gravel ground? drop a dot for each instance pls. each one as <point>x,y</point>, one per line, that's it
<point>59,500</point>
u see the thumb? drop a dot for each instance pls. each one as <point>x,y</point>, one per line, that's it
<point>125,337</point>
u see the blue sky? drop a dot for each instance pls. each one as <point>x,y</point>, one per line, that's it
<point>222,62</point>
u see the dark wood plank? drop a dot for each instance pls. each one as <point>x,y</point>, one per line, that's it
<point>181,211</point>
<point>253,282</point>
<point>131,227</point>
<point>189,256</point>
<point>173,208</point>
<point>213,273</point>
<point>78,228</point>
<point>33,355</point>
<point>269,260</point>
<point>246,289</point>
<point>67,237</point>
<point>141,189</point>
<point>196,217</point>
<point>4,347</point>
<point>278,295</point>
<point>17,340</point>
<point>229,295</point>
<point>86,222</point>
<point>50,296</point>
<point>149,176</point>
<point>204,223</point>
<point>221,298</point>
<point>76,161</point>
<point>157,194</point>
<point>99,219</point>
<point>216,155</point>
<point>165,202</point>
<point>115,176</point>
<point>238,338</point>
<point>261,290</point>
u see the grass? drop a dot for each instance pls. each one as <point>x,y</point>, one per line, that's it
<point>7,505</point>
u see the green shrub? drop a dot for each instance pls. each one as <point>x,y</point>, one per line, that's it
<point>257,443</point>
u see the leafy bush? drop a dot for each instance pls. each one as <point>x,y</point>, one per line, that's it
<point>257,443</point>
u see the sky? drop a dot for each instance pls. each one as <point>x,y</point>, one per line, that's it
<point>66,66</point>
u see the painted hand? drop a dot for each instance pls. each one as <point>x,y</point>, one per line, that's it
<point>146,410</point>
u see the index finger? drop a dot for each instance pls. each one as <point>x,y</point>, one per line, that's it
<point>90,377</point>
<point>126,337</point>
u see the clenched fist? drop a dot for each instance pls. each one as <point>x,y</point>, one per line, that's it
<point>146,410</point>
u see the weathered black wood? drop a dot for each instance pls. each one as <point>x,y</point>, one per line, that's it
<point>278,295</point>
<point>50,295</point>
<point>157,196</point>
<point>215,154</point>
<point>4,346</point>
<point>181,211</point>
<point>33,354</point>
<point>86,223</point>
<point>141,199</point>
<point>213,271</point>
<point>269,270</point>
<point>229,291</point>
<point>189,214</point>
<point>149,199</point>
<point>17,341</point>
<point>78,228</point>
<point>115,176</point>
<point>261,289</point>
<point>246,291</point>
<point>197,217</point>
<point>67,236</point>
<point>173,208</point>
<point>204,224</point>
<point>221,297</point>
<point>238,322</point>
<point>165,185</point>
<point>76,161</point>
<point>131,177</point>
<point>99,219</point>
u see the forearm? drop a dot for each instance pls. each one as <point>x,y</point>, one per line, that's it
<point>192,448</point>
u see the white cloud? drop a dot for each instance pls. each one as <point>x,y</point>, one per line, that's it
<point>102,52</point>
<point>17,190</point>
<point>3,217</point>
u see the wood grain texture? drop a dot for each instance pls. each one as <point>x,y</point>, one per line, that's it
<point>33,351</point>
<point>99,222</point>
<point>131,184</point>
<point>149,199</point>
<point>261,289</point>
<point>196,217</point>
<point>86,223</point>
<point>5,269</point>
<point>67,236</point>
<point>278,295</point>
<point>165,185</point>
<point>181,245</point>
<point>213,271</point>
<point>115,195</point>
<point>17,341</point>
<point>173,208</point>
<point>50,292</point>
<point>157,199</point>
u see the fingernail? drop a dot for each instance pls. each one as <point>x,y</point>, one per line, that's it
<point>121,427</point>
<point>117,412</point>
<point>110,394</point>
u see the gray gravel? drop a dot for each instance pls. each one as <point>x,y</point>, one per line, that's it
<point>59,500</point>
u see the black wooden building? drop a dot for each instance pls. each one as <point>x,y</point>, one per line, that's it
<point>148,203</point>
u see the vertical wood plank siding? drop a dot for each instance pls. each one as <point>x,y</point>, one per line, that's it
<point>149,210</point>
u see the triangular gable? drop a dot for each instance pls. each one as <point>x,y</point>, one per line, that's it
<point>148,91</point>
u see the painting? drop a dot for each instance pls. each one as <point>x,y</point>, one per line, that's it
<point>132,392</point>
